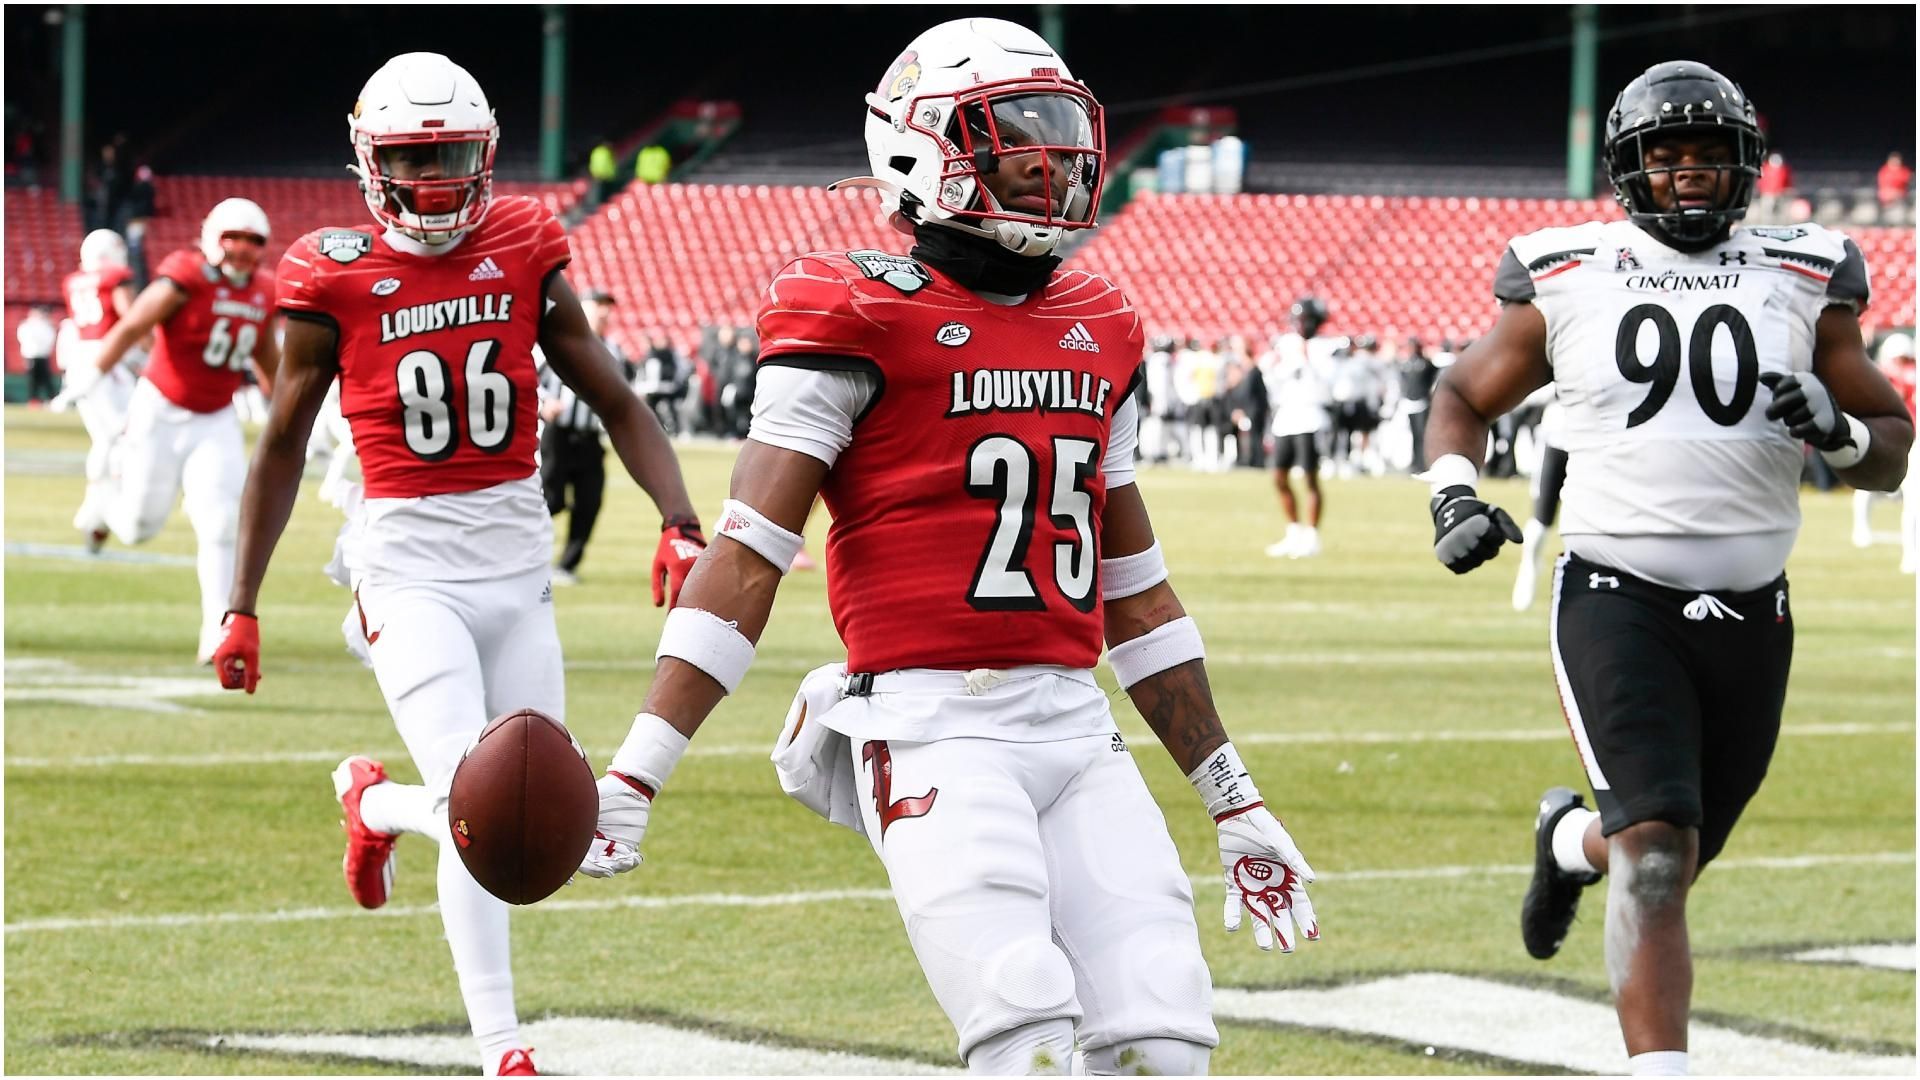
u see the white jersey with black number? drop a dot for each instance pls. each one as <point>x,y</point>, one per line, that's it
<point>1657,356</point>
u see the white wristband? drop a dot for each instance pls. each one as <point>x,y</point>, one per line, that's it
<point>652,749</point>
<point>1224,785</point>
<point>1156,650</point>
<point>709,643</point>
<point>1450,471</point>
<point>743,524</point>
<point>1131,574</point>
<point>1848,456</point>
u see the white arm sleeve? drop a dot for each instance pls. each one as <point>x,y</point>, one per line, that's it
<point>1118,465</point>
<point>808,410</point>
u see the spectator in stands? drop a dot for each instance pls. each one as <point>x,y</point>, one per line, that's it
<point>1776,183</point>
<point>140,207</point>
<point>1247,411</point>
<point>652,166</point>
<point>1417,375</point>
<point>1891,184</point>
<point>663,380</point>
<point>604,167</point>
<point>733,372</point>
<point>36,336</point>
<point>108,190</point>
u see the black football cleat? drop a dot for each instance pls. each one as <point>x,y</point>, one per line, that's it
<point>1553,897</point>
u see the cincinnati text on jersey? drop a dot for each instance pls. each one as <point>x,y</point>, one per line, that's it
<point>1020,390</point>
<point>426,318</point>
<point>1675,282</point>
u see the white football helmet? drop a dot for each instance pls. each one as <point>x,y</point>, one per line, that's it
<point>423,142</point>
<point>102,248</point>
<point>230,216</point>
<point>962,99</point>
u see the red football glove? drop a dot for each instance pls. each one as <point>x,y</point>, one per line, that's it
<point>237,659</point>
<point>680,547</point>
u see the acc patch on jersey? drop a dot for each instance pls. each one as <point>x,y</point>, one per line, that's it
<point>344,247</point>
<point>898,271</point>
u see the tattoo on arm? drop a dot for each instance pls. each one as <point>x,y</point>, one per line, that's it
<point>1178,705</point>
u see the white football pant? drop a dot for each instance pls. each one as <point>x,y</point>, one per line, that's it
<point>168,450</point>
<point>450,656</point>
<point>103,412</point>
<point>1039,889</point>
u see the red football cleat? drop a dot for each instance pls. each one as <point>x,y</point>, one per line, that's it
<point>368,864</point>
<point>517,1063</point>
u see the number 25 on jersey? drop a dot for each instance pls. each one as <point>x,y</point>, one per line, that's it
<point>1004,470</point>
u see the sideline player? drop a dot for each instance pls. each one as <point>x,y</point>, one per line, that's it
<point>429,321</point>
<point>1297,383</point>
<point>987,540</point>
<point>1692,358</point>
<point>98,295</point>
<point>211,310</point>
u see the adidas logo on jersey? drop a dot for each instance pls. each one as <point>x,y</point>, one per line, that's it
<point>486,271</point>
<point>1080,339</point>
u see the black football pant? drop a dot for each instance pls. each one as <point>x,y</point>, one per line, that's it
<point>573,459</point>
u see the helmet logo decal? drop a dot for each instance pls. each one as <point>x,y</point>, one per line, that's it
<point>902,77</point>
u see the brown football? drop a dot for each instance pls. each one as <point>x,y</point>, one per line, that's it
<point>523,807</point>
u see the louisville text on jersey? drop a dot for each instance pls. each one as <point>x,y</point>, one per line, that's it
<point>1021,390</point>
<point>460,311</point>
<point>239,309</point>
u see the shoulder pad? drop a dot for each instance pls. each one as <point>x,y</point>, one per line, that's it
<point>809,308</point>
<point>1546,248</point>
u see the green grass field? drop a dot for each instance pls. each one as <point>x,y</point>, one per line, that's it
<point>1404,721</point>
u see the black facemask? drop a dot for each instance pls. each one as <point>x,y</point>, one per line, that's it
<point>981,264</point>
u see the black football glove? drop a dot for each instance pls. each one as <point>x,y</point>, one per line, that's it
<point>1466,531</point>
<point>1803,404</point>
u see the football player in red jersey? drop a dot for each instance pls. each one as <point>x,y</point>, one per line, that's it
<point>210,310</point>
<point>429,320</point>
<point>965,412</point>
<point>98,295</point>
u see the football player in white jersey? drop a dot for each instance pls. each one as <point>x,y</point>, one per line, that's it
<point>1692,358</point>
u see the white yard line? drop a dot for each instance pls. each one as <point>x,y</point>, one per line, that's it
<point>1282,738</point>
<point>1521,1024</point>
<point>567,902</point>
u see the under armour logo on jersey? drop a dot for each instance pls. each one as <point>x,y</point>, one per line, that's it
<point>1728,258</point>
<point>1080,339</point>
<point>486,271</point>
<point>1594,580</point>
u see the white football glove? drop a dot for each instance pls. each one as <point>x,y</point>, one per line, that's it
<point>1267,875</point>
<point>623,823</point>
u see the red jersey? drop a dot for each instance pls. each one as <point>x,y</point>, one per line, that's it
<point>199,353</point>
<point>89,296</point>
<point>966,511</point>
<point>437,374</point>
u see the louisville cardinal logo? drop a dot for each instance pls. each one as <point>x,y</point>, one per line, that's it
<point>880,760</point>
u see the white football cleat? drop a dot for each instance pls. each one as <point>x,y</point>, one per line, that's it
<point>1308,545</point>
<point>368,864</point>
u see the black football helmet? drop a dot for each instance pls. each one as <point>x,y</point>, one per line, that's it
<point>1682,95</point>
<point>1309,315</point>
